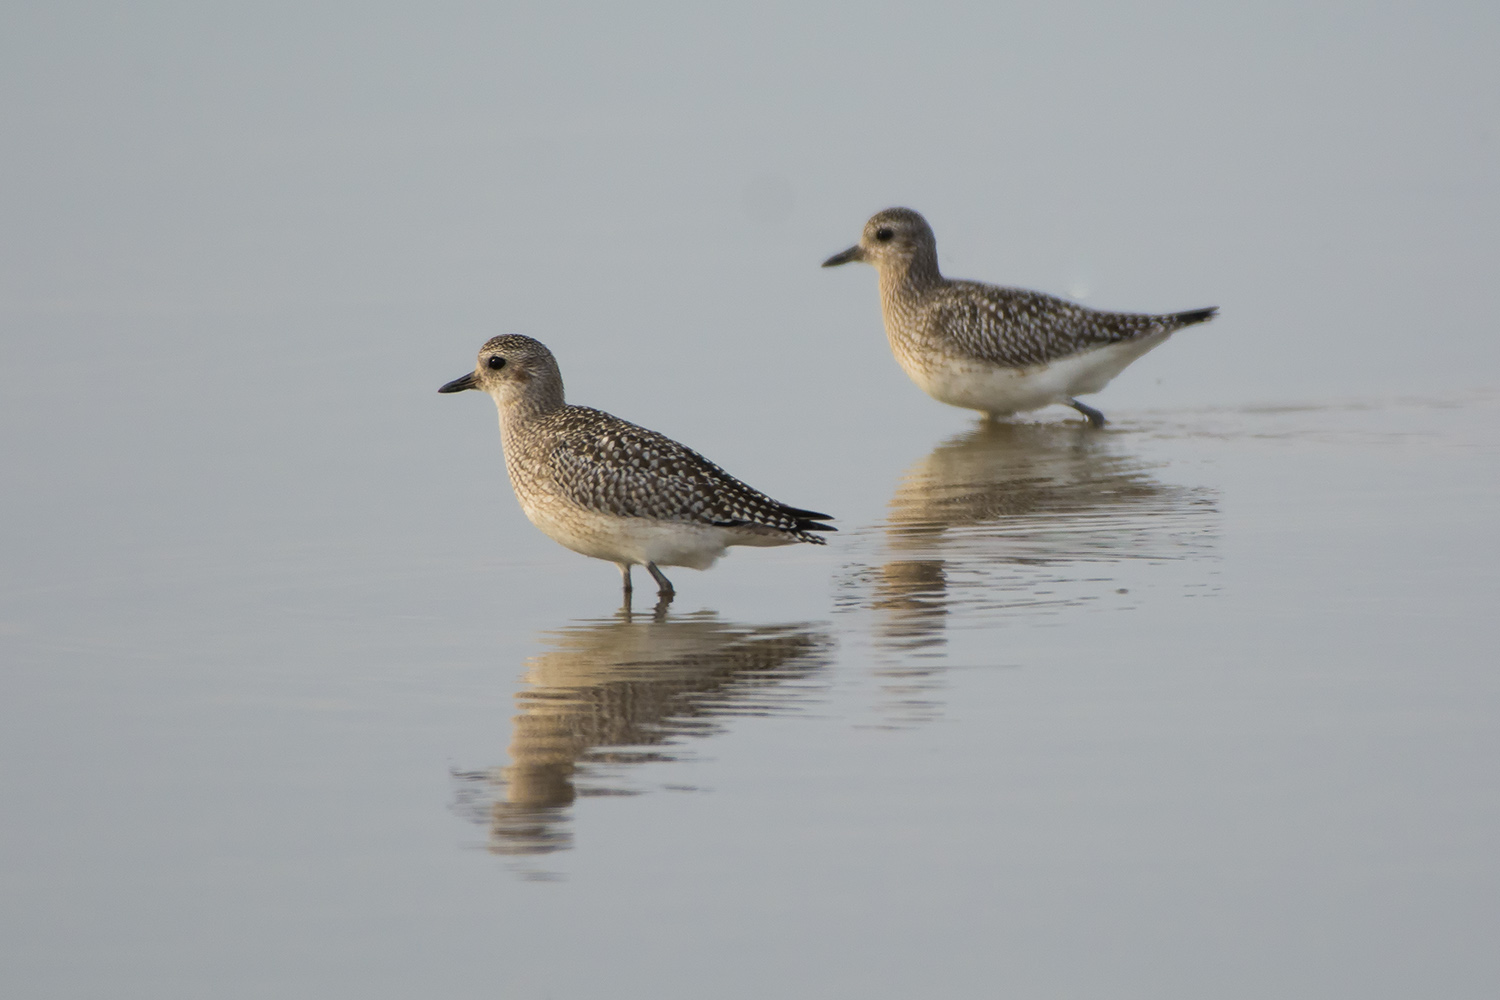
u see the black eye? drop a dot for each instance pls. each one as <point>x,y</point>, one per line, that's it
<point>496,362</point>
<point>884,234</point>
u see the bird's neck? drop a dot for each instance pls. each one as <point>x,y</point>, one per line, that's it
<point>900,279</point>
<point>533,401</point>
<point>903,286</point>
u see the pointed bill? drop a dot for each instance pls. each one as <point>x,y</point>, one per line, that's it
<point>469,381</point>
<point>844,257</point>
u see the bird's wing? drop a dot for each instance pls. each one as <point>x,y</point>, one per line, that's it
<point>1017,328</point>
<point>623,469</point>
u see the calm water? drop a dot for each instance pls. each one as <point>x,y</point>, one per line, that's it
<point>294,703</point>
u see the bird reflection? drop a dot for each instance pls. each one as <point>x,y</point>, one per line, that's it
<point>608,695</point>
<point>1013,516</point>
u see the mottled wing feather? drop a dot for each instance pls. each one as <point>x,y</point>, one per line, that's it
<point>1015,328</point>
<point>615,467</point>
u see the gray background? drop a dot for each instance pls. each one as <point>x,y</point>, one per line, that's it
<point>268,607</point>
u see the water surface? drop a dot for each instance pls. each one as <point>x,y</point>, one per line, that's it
<point>295,703</point>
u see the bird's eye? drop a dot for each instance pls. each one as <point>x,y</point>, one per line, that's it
<point>496,362</point>
<point>884,234</point>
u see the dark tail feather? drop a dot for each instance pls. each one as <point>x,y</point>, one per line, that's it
<point>807,520</point>
<point>1194,316</point>
<point>810,515</point>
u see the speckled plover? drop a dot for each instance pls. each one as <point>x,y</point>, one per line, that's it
<point>998,350</point>
<point>612,490</point>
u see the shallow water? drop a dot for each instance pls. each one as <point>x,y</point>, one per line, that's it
<point>1204,695</point>
<point>294,702</point>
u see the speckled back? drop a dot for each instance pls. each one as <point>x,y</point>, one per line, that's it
<point>1010,326</point>
<point>611,466</point>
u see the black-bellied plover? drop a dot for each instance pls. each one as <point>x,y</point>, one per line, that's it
<point>999,350</point>
<point>612,490</point>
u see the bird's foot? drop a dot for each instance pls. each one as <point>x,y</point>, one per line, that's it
<point>665,590</point>
<point>1093,416</point>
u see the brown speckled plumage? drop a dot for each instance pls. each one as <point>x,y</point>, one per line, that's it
<point>1000,350</point>
<point>609,465</point>
<point>613,490</point>
<point>1015,328</point>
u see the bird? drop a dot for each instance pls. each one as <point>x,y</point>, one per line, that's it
<point>611,489</point>
<point>993,349</point>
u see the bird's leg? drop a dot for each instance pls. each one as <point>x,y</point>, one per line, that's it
<point>662,582</point>
<point>625,579</point>
<point>1093,416</point>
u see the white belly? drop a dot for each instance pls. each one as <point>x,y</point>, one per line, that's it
<point>639,540</point>
<point>976,385</point>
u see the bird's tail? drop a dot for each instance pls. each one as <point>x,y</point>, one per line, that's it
<point>1193,316</point>
<point>807,521</point>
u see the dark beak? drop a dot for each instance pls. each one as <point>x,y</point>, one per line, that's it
<point>469,381</point>
<point>853,253</point>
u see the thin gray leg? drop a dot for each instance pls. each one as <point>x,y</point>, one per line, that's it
<point>662,582</point>
<point>625,576</point>
<point>1093,416</point>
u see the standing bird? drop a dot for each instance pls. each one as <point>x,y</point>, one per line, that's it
<point>609,489</point>
<point>999,350</point>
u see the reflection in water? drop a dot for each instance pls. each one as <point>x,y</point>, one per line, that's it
<point>1014,517</point>
<point>625,691</point>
